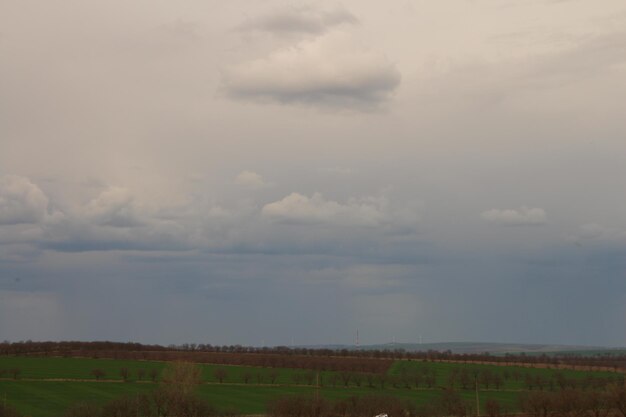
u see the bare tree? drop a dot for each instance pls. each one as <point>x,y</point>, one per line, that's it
<point>617,398</point>
<point>537,403</point>
<point>492,407</point>
<point>597,403</point>
<point>15,372</point>
<point>382,379</point>
<point>246,376</point>
<point>485,378</point>
<point>176,394</point>
<point>309,378</point>
<point>138,405</point>
<point>98,373</point>
<point>220,374</point>
<point>7,411</point>
<point>125,374</point>
<point>497,381</point>
<point>430,380</point>
<point>296,378</point>
<point>82,409</point>
<point>465,379</point>
<point>345,377</point>
<point>453,405</point>
<point>273,376</point>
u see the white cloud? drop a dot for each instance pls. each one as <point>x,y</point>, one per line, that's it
<point>300,208</point>
<point>525,216</point>
<point>331,70</point>
<point>113,207</point>
<point>300,20</point>
<point>21,201</point>
<point>250,179</point>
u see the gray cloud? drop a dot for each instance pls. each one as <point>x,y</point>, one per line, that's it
<point>308,20</point>
<point>114,219</point>
<point>21,201</point>
<point>598,233</point>
<point>330,70</point>
<point>524,216</point>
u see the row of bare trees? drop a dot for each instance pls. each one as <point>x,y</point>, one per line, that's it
<point>321,363</point>
<point>609,360</point>
<point>490,378</point>
<point>575,403</point>
<point>558,381</point>
<point>126,374</point>
<point>448,403</point>
<point>565,403</point>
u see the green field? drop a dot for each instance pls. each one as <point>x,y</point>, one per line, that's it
<point>52,398</point>
<point>513,377</point>
<point>81,368</point>
<point>46,387</point>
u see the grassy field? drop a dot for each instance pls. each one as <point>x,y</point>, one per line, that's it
<point>81,368</point>
<point>48,386</point>
<point>45,398</point>
<point>52,398</point>
<point>513,377</point>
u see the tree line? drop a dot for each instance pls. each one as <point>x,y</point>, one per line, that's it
<point>237,354</point>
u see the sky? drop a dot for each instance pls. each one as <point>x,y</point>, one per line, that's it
<point>282,172</point>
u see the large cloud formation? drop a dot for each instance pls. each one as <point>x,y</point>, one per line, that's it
<point>332,69</point>
<point>115,218</point>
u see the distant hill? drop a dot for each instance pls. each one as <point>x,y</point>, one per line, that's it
<point>480,347</point>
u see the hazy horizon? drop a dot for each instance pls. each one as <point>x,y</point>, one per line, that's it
<point>266,172</point>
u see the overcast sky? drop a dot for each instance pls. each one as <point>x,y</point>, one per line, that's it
<point>276,172</point>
